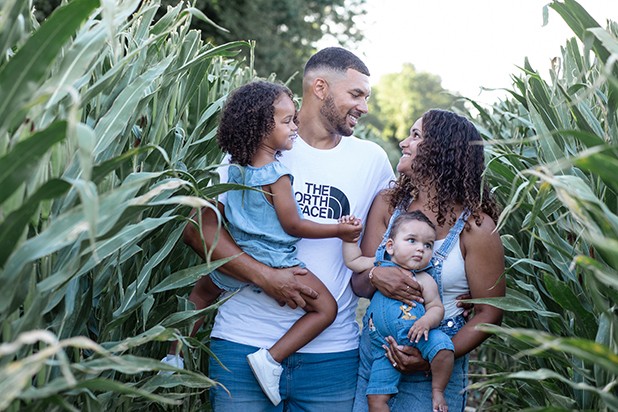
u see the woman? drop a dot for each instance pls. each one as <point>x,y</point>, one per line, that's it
<point>441,172</point>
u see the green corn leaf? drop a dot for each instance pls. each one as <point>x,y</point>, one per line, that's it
<point>118,116</point>
<point>20,76</point>
<point>20,163</point>
<point>188,276</point>
<point>15,223</point>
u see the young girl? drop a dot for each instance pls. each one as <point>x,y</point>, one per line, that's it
<point>408,244</point>
<point>257,123</point>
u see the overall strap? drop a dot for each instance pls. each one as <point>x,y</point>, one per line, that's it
<point>452,236</point>
<point>451,240</point>
<point>381,254</point>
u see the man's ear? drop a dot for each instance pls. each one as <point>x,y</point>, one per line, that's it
<point>320,88</point>
<point>389,246</point>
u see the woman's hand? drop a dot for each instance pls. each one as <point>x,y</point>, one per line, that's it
<point>467,307</point>
<point>396,283</point>
<point>405,359</point>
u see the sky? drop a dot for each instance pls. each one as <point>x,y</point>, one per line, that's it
<point>468,43</point>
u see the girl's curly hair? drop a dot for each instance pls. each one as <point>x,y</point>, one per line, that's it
<point>450,161</point>
<point>248,117</point>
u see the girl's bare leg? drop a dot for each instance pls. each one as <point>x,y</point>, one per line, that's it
<point>204,294</point>
<point>321,312</point>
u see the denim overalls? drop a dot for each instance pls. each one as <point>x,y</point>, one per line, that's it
<point>415,389</point>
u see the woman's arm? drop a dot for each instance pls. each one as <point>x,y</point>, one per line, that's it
<point>280,284</point>
<point>285,206</point>
<point>484,262</point>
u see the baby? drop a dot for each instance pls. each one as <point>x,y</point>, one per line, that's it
<point>409,245</point>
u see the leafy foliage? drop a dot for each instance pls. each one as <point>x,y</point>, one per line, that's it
<point>106,143</point>
<point>553,149</point>
<point>285,32</point>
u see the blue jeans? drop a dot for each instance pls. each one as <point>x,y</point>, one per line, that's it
<point>414,389</point>
<point>316,382</point>
<point>387,316</point>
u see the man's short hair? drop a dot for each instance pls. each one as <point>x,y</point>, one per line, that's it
<point>336,58</point>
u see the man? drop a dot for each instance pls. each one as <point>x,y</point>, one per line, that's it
<point>335,174</point>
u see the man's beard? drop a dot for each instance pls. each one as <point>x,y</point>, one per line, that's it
<point>329,111</point>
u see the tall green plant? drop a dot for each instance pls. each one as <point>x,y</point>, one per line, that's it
<point>552,158</point>
<point>106,143</point>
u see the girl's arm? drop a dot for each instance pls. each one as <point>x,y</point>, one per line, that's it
<point>286,209</point>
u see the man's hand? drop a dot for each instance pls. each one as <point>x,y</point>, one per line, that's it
<point>397,283</point>
<point>283,286</point>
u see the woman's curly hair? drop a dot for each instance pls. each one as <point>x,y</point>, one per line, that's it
<point>450,161</point>
<point>248,117</point>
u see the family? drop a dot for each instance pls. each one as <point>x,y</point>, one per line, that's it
<point>287,339</point>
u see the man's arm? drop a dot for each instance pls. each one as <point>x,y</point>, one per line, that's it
<point>280,284</point>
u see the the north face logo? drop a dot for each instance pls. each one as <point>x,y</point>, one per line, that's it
<point>323,201</point>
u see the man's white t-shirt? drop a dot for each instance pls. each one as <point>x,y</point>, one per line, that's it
<point>328,184</point>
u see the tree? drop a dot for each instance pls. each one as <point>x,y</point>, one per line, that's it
<point>400,98</point>
<point>285,31</point>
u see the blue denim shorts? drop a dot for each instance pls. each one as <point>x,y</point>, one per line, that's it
<point>225,282</point>
<point>389,317</point>
<point>316,382</point>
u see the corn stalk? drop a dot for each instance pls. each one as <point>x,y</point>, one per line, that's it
<point>553,146</point>
<point>107,122</point>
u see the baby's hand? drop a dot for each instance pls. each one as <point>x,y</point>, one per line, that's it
<point>350,220</point>
<point>418,330</point>
<point>349,229</point>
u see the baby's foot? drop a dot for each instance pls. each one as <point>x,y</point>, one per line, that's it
<point>439,403</point>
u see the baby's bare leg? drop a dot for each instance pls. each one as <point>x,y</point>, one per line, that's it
<point>321,312</point>
<point>441,369</point>
<point>378,403</point>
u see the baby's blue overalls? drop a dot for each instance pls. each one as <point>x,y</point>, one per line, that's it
<point>390,317</point>
<point>414,391</point>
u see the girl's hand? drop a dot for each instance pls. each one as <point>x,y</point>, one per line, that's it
<point>350,220</point>
<point>405,359</point>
